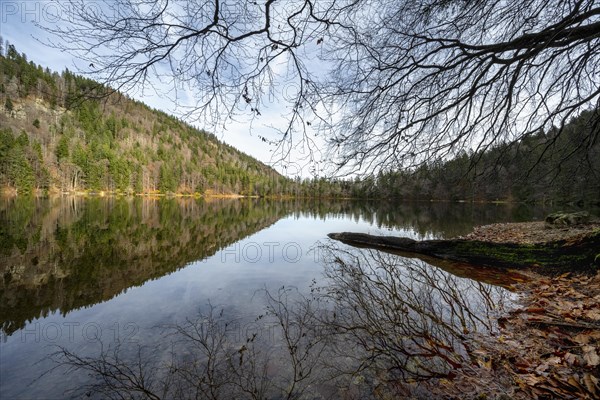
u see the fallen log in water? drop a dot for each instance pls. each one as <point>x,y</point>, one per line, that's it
<point>575,253</point>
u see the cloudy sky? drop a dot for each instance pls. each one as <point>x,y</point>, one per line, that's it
<point>19,25</point>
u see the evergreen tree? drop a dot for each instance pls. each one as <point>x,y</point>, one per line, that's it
<point>8,105</point>
<point>62,149</point>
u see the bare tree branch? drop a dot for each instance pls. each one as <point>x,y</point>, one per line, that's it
<point>388,85</point>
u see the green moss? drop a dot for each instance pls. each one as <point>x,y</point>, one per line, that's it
<point>552,254</point>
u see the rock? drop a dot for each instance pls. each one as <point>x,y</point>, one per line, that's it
<point>562,219</point>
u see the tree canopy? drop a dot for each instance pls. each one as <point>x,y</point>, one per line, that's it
<point>386,84</point>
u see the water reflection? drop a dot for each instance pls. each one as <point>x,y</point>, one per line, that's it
<point>408,324</point>
<point>377,326</point>
<point>425,219</point>
<point>80,256</point>
<point>69,253</point>
<point>496,276</point>
<point>66,253</point>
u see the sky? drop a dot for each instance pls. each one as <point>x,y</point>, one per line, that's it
<point>19,25</point>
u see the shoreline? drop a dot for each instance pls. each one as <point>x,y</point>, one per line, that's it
<point>549,344</point>
<point>12,193</point>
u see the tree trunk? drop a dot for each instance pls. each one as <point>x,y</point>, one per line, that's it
<point>582,253</point>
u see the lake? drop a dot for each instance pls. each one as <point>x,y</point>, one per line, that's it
<point>247,296</point>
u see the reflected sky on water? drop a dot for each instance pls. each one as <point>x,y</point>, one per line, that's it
<point>82,273</point>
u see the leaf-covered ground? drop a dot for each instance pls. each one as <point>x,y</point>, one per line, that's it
<point>547,348</point>
<point>551,344</point>
<point>529,232</point>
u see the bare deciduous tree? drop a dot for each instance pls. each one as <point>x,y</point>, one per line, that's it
<point>428,78</point>
<point>391,84</point>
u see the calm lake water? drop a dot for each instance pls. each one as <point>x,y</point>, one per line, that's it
<point>120,276</point>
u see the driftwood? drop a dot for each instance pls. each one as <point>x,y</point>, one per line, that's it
<point>580,253</point>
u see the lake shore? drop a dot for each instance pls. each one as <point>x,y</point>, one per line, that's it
<point>548,347</point>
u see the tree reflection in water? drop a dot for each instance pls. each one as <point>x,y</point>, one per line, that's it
<point>378,326</point>
<point>408,325</point>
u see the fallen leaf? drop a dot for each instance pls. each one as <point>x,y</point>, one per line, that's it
<point>567,305</point>
<point>594,334</point>
<point>573,359</point>
<point>590,356</point>
<point>546,364</point>
<point>542,368</point>
<point>522,367</point>
<point>574,382</point>
<point>554,360</point>
<point>531,379</point>
<point>590,382</point>
<point>582,338</point>
<point>575,294</point>
<point>593,314</point>
<point>574,313</point>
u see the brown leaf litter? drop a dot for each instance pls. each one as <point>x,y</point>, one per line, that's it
<point>529,232</point>
<point>548,348</point>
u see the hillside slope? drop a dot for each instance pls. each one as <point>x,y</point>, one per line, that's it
<point>553,166</point>
<point>54,138</point>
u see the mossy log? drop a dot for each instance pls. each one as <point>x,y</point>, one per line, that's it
<point>580,253</point>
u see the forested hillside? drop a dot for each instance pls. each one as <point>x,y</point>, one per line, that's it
<point>54,138</point>
<point>529,170</point>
